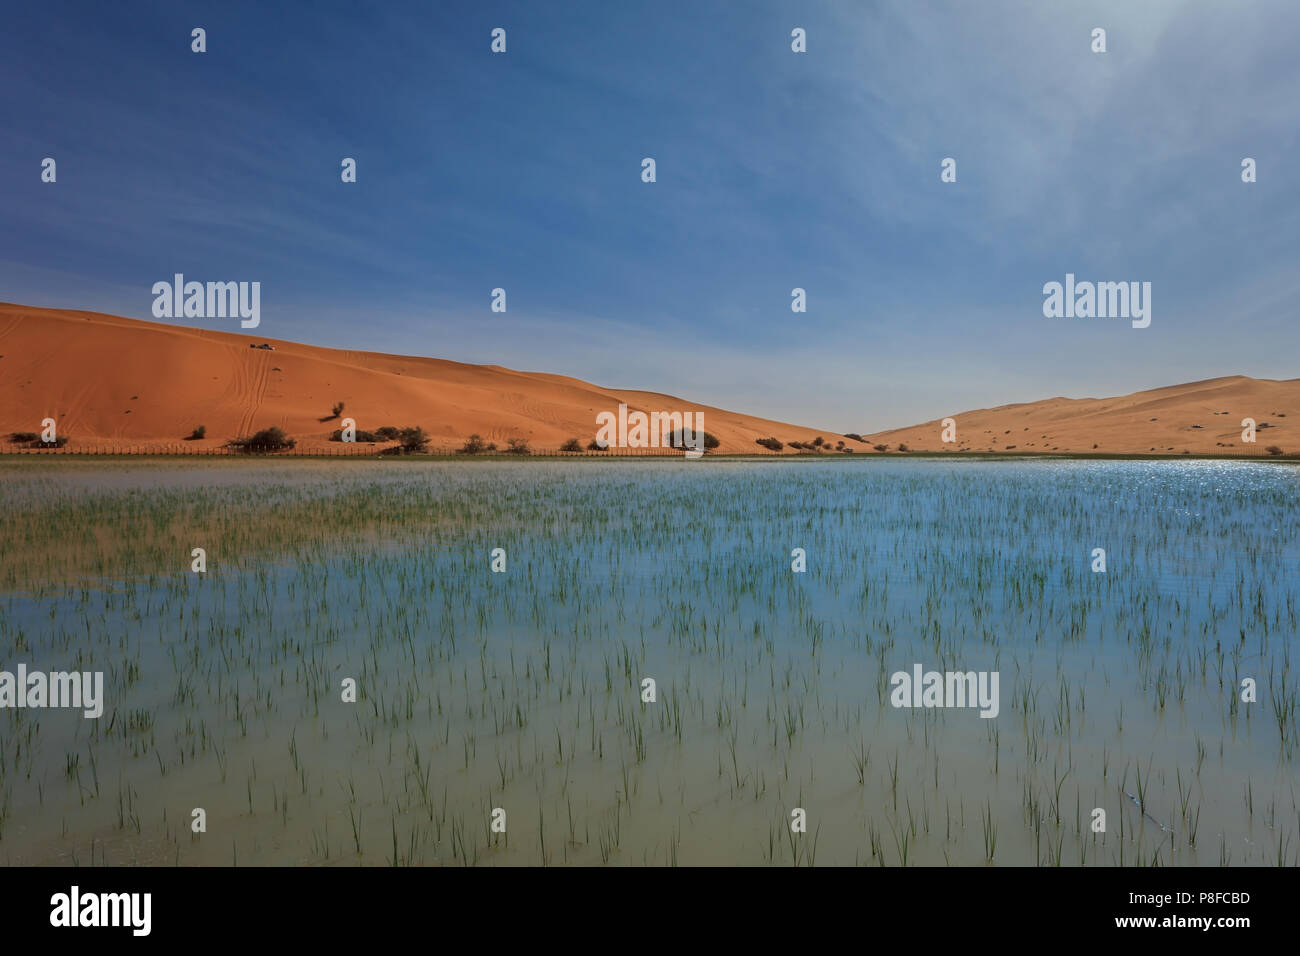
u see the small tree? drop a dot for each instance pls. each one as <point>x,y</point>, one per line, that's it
<point>772,444</point>
<point>571,445</point>
<point>473,446</point>
<point>338,409</point>
<point>198,433</point>
<point>268,439</point>
<point>518,446</point>
<point>413,440</point>
<point>677,439</point>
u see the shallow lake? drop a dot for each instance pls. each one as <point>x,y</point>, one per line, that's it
<point>522,690</point>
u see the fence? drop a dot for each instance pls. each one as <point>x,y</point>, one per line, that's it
<point>367,450</point>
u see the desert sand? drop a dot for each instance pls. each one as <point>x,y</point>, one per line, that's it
<point>113,382</point>
<point>1198,418</point>
<point>110,382</point>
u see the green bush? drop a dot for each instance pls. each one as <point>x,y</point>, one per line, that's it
<point>413,440</point>
<point>677,440</point>
<point>268,439</point>
<point>475,445</point>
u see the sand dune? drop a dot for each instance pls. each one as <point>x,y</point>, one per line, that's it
<point>110,381</point>
<point>1198,418</point>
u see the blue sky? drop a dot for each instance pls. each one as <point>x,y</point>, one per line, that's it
<point>775,170</point>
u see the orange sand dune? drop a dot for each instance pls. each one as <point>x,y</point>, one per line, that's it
<point>110,381</point>
<point>1197,418</point>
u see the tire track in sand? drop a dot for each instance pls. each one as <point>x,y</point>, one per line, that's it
<point>251,390</point>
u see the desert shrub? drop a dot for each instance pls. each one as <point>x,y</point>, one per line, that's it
<point>818,441</point>
<point>677,440</point>
<point>571,445</point>
<point>388,433</point>
<point>268,439</point>
<point>1273,450</point>
<point>847,450</point>
<point>854,436</point>
<point>200,432</point>
<point>771,444</point>
<point>337,409</point>
<point>880,447</point>
<point>518,446</point>
<point>903,447</point>
<point>796,445</point>
<point>24,437</point>
<point>413,440</point>
<point>361,436</point>
<point>594,445</point>
<point>475,445</point>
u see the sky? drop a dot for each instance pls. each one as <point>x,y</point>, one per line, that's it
<point>775,170</point>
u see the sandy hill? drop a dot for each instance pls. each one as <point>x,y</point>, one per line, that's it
<point>110,381</point>
<point>1199,418</point>
<point>113,382</point>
